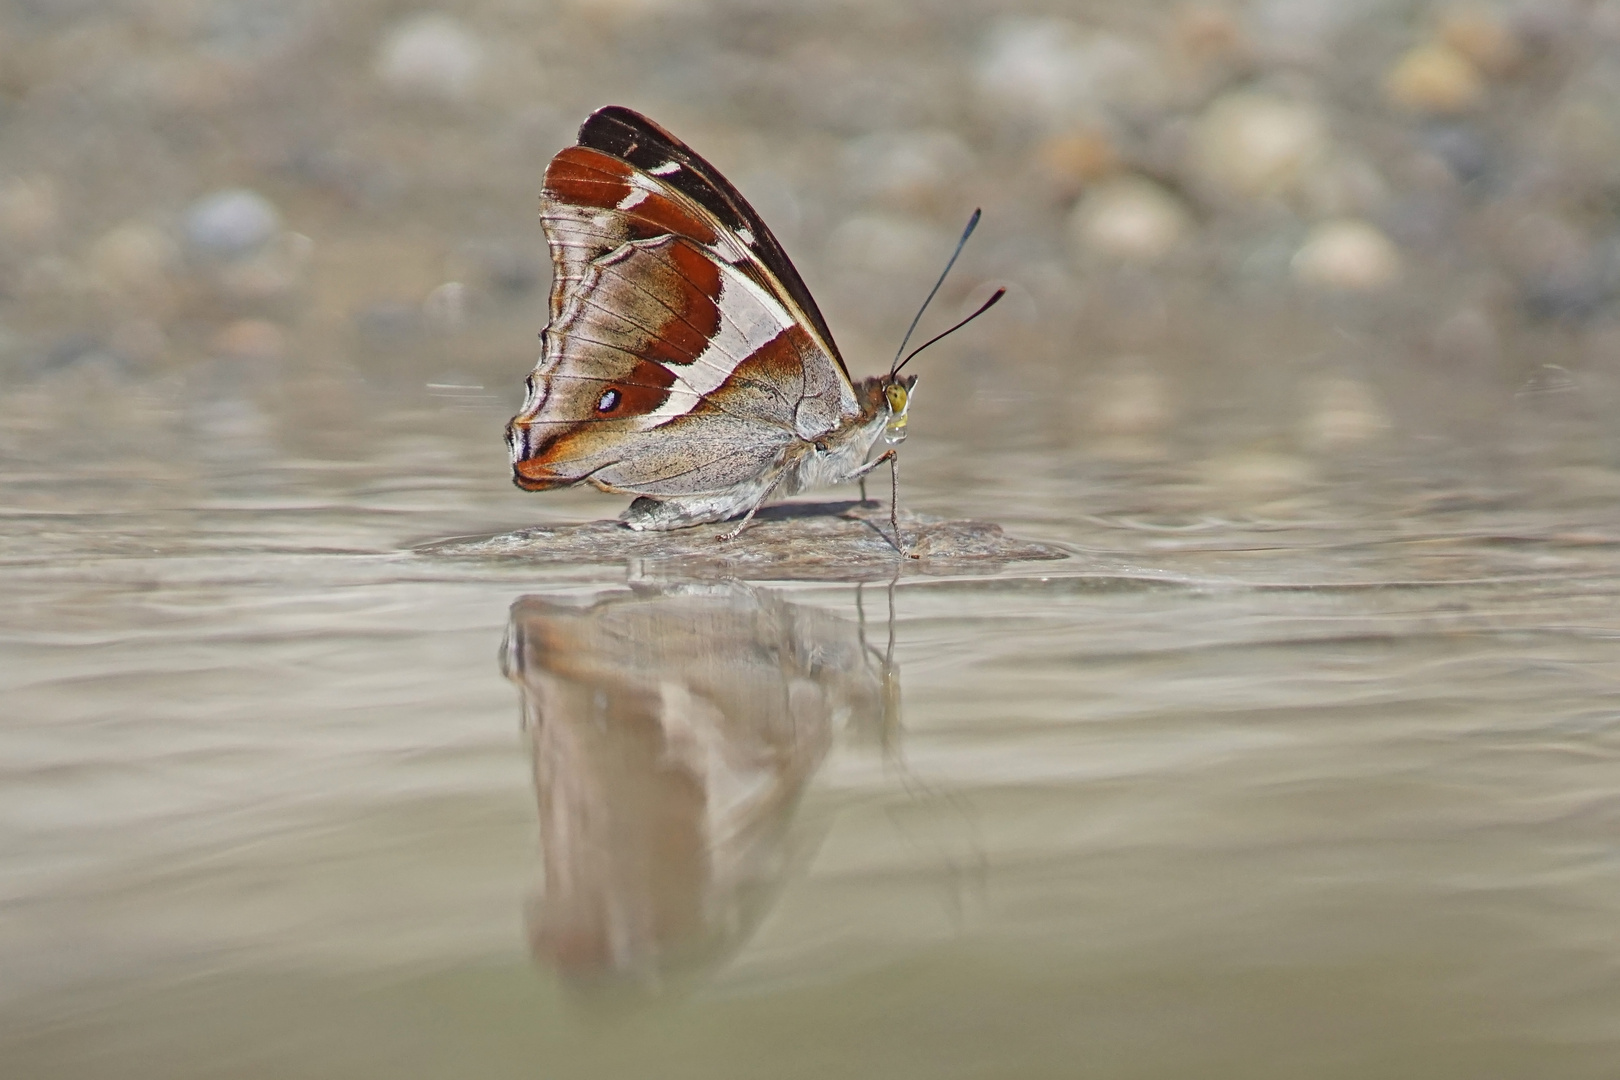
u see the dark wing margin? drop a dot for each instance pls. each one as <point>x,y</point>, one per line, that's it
<point>629,136</point>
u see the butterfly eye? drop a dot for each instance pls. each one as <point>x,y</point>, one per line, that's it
<point>896,395</point>
<point>609,401</point>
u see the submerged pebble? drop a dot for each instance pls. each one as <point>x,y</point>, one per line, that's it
<point>1258,473</point>
<point>446,306</point>
<point>139,340</point>
<point>273,271</point>
<point>1207,33</point>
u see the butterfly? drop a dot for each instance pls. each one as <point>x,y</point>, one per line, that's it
<point>685,362</point>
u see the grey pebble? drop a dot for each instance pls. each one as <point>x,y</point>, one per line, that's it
<point>232,223</point>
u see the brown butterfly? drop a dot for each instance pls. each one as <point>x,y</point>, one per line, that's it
<point>685,361</point>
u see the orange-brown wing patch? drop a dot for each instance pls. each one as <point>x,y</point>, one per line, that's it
<point>581,177</point>
<point>689,290</point>
<point>645,390</point>
<point>658,214</point>
<point>641,208</point>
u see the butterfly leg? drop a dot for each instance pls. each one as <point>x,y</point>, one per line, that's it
<point>732,534</point>
<point>894,495</point>
<point>894,506</point>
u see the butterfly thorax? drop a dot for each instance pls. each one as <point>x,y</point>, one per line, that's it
<point>840,454</point>
<point>835,456</point>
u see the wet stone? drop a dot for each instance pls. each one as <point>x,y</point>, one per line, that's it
<point>794,541</point>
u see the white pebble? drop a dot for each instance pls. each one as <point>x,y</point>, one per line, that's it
<point>1131,218</point>
<point>1254,143</point>
<point>1054,70</point>
<point>1347,254</point>
<point>430,56</point>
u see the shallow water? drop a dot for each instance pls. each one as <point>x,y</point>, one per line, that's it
<point>1309,779</point>
<point>1303,764</point>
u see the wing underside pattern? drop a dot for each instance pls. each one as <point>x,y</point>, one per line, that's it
<point>678,360</point>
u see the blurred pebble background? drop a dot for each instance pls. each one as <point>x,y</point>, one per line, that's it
<point>1249,234</point>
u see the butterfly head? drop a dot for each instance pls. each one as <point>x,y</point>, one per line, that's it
<point>897,397</point>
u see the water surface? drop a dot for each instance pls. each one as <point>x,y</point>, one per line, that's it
<point>1309,774</point>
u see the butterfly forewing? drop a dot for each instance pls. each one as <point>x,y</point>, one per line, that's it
<point>631,137</point>
<point>678,358</point>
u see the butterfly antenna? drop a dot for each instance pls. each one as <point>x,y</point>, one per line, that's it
<point>984,307</point>
<point>973,223</point>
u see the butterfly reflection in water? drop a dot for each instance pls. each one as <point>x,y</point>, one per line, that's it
<point>673,733</point>
<point>685,361</point>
